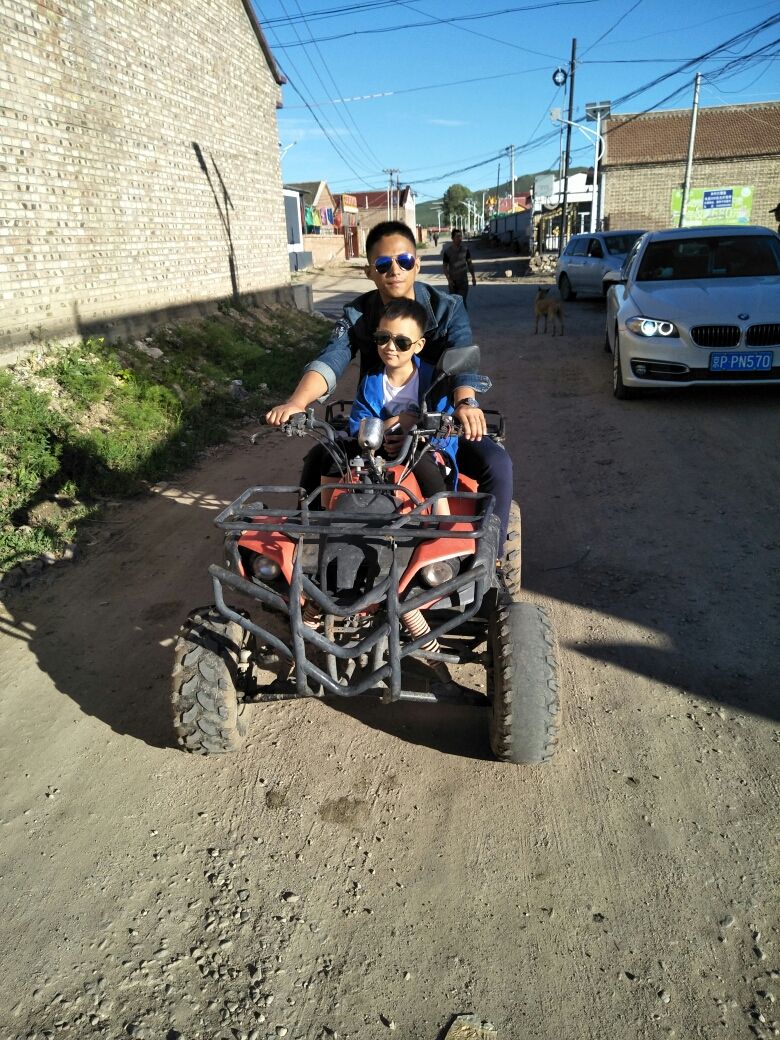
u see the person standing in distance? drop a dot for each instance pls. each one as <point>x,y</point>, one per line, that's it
<point>456,259</point>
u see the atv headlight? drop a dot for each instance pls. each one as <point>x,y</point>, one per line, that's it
<point>652,327</point>
<point>434,574</point>
<point>265,568</point>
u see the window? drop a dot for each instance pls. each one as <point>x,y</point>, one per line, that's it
<point>595,250</point>
<point>619,245</point>
<point>630,258</point>
<point>722,256</point>
<point>578,246</point>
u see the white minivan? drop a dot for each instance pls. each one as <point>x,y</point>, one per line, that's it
<point>587,258</point>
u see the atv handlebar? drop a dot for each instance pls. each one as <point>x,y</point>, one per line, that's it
<point>301,423</point>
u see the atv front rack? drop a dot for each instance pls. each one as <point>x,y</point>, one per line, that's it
<point>250,513</point>
<point>383,645</point>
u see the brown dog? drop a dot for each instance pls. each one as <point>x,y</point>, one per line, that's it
<point>547,306</point>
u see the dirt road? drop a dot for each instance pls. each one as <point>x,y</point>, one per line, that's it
<point>359,871</point>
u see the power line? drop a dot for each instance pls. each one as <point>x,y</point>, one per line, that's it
<point>347,144</point>
<point>428,86</point>
<point>739,37</point>
<point>326,66</point>
<point>331,12</point>
<point>458,18</point>
<point>612,27</point>
<point>330,140</point>
<point>328,130</point>
<point>482,36</point>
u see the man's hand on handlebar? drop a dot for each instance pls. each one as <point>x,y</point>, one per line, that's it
<point>280,413</point>
<point>473,422</point>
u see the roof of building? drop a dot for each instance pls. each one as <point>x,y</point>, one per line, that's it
<point>730,132</point>
<point>377,199</point>
<point>277,75</point>
<point>306,187</point>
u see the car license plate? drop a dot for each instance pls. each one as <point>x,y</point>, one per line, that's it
<point>741,361</point>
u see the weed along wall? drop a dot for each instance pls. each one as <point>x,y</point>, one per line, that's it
<point>139,164</point>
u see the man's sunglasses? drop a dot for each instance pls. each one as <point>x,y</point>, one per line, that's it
<point>405,261</point>
<point>382,338</point>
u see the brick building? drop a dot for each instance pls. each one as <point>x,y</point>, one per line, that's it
<point>737,150</point>
<point>140,174</point>
<point>320,213</point>
<point>373,207</point>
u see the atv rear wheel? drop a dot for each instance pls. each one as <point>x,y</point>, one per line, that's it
<point>512,563</point>
<point>207,711</point>
<point>523,682</point>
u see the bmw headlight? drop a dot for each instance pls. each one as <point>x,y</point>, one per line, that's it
<point>437,573</point>
<point>265,568</point>
<point>652,327</point>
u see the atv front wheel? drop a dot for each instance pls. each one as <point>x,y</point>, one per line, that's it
<point>523,682</point>
<point>207,712</point>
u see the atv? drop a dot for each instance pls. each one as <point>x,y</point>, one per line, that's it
<point>359,589</point>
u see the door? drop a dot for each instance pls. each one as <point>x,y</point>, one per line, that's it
<point>594,267</point>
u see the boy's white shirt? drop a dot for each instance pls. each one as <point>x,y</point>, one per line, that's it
<point>402,398</point>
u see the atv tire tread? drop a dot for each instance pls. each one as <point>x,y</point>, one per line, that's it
<point>512,564</point>
<point>207,715</point>
<point>523,677</point>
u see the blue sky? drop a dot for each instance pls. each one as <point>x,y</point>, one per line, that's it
<point>432,100</point>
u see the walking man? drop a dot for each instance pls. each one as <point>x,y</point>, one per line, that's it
<point>456,259</point>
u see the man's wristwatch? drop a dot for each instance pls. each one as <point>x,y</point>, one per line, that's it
<point>471,402</point>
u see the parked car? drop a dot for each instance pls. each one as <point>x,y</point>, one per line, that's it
<point>587,259</point>
<point>697,305</point>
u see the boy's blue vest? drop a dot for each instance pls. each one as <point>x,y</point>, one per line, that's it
<point>368,402</point>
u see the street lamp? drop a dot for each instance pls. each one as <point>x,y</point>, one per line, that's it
<point>596,111</point>
<point>598,141</point>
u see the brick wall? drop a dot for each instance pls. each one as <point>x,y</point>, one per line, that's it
<point>640,196</point>
<point>370,216</point>
<point>325,249</point>
<point>139,163</point>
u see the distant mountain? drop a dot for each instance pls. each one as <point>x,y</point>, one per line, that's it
<point>426,211</point>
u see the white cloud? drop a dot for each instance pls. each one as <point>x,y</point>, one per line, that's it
<point>447,122</point>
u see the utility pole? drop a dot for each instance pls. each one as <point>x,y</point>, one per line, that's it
<point>397,195</point>
<point>691,143</point>
<point>572,65</point>
<point>390,173</point>
<point>511,150</point>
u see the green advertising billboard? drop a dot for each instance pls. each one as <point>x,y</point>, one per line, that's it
<point>714,205</point>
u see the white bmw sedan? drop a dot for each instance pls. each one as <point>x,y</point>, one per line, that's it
<point>695,306</point>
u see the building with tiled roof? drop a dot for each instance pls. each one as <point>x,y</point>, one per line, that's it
<point>736,152</point>
<point>375,206</point>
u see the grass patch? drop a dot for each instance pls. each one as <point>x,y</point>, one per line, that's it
<point>93,421</point>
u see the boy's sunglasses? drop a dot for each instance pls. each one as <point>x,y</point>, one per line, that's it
<point>382,338</point>
<point>405,261</point>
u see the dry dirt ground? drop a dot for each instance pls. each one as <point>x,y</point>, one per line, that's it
<point>361,870</point>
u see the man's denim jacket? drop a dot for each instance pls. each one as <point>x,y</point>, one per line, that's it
<point>447,326</point>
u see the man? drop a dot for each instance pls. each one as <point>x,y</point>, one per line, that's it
<point>456,259</point>
<point>776,212</point>
<point>393,266</point>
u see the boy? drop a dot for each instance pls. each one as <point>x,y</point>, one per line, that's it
<point>392,267</point>
<point>394,392</point>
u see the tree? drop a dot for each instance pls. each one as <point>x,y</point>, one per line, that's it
<point>453,200</point>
